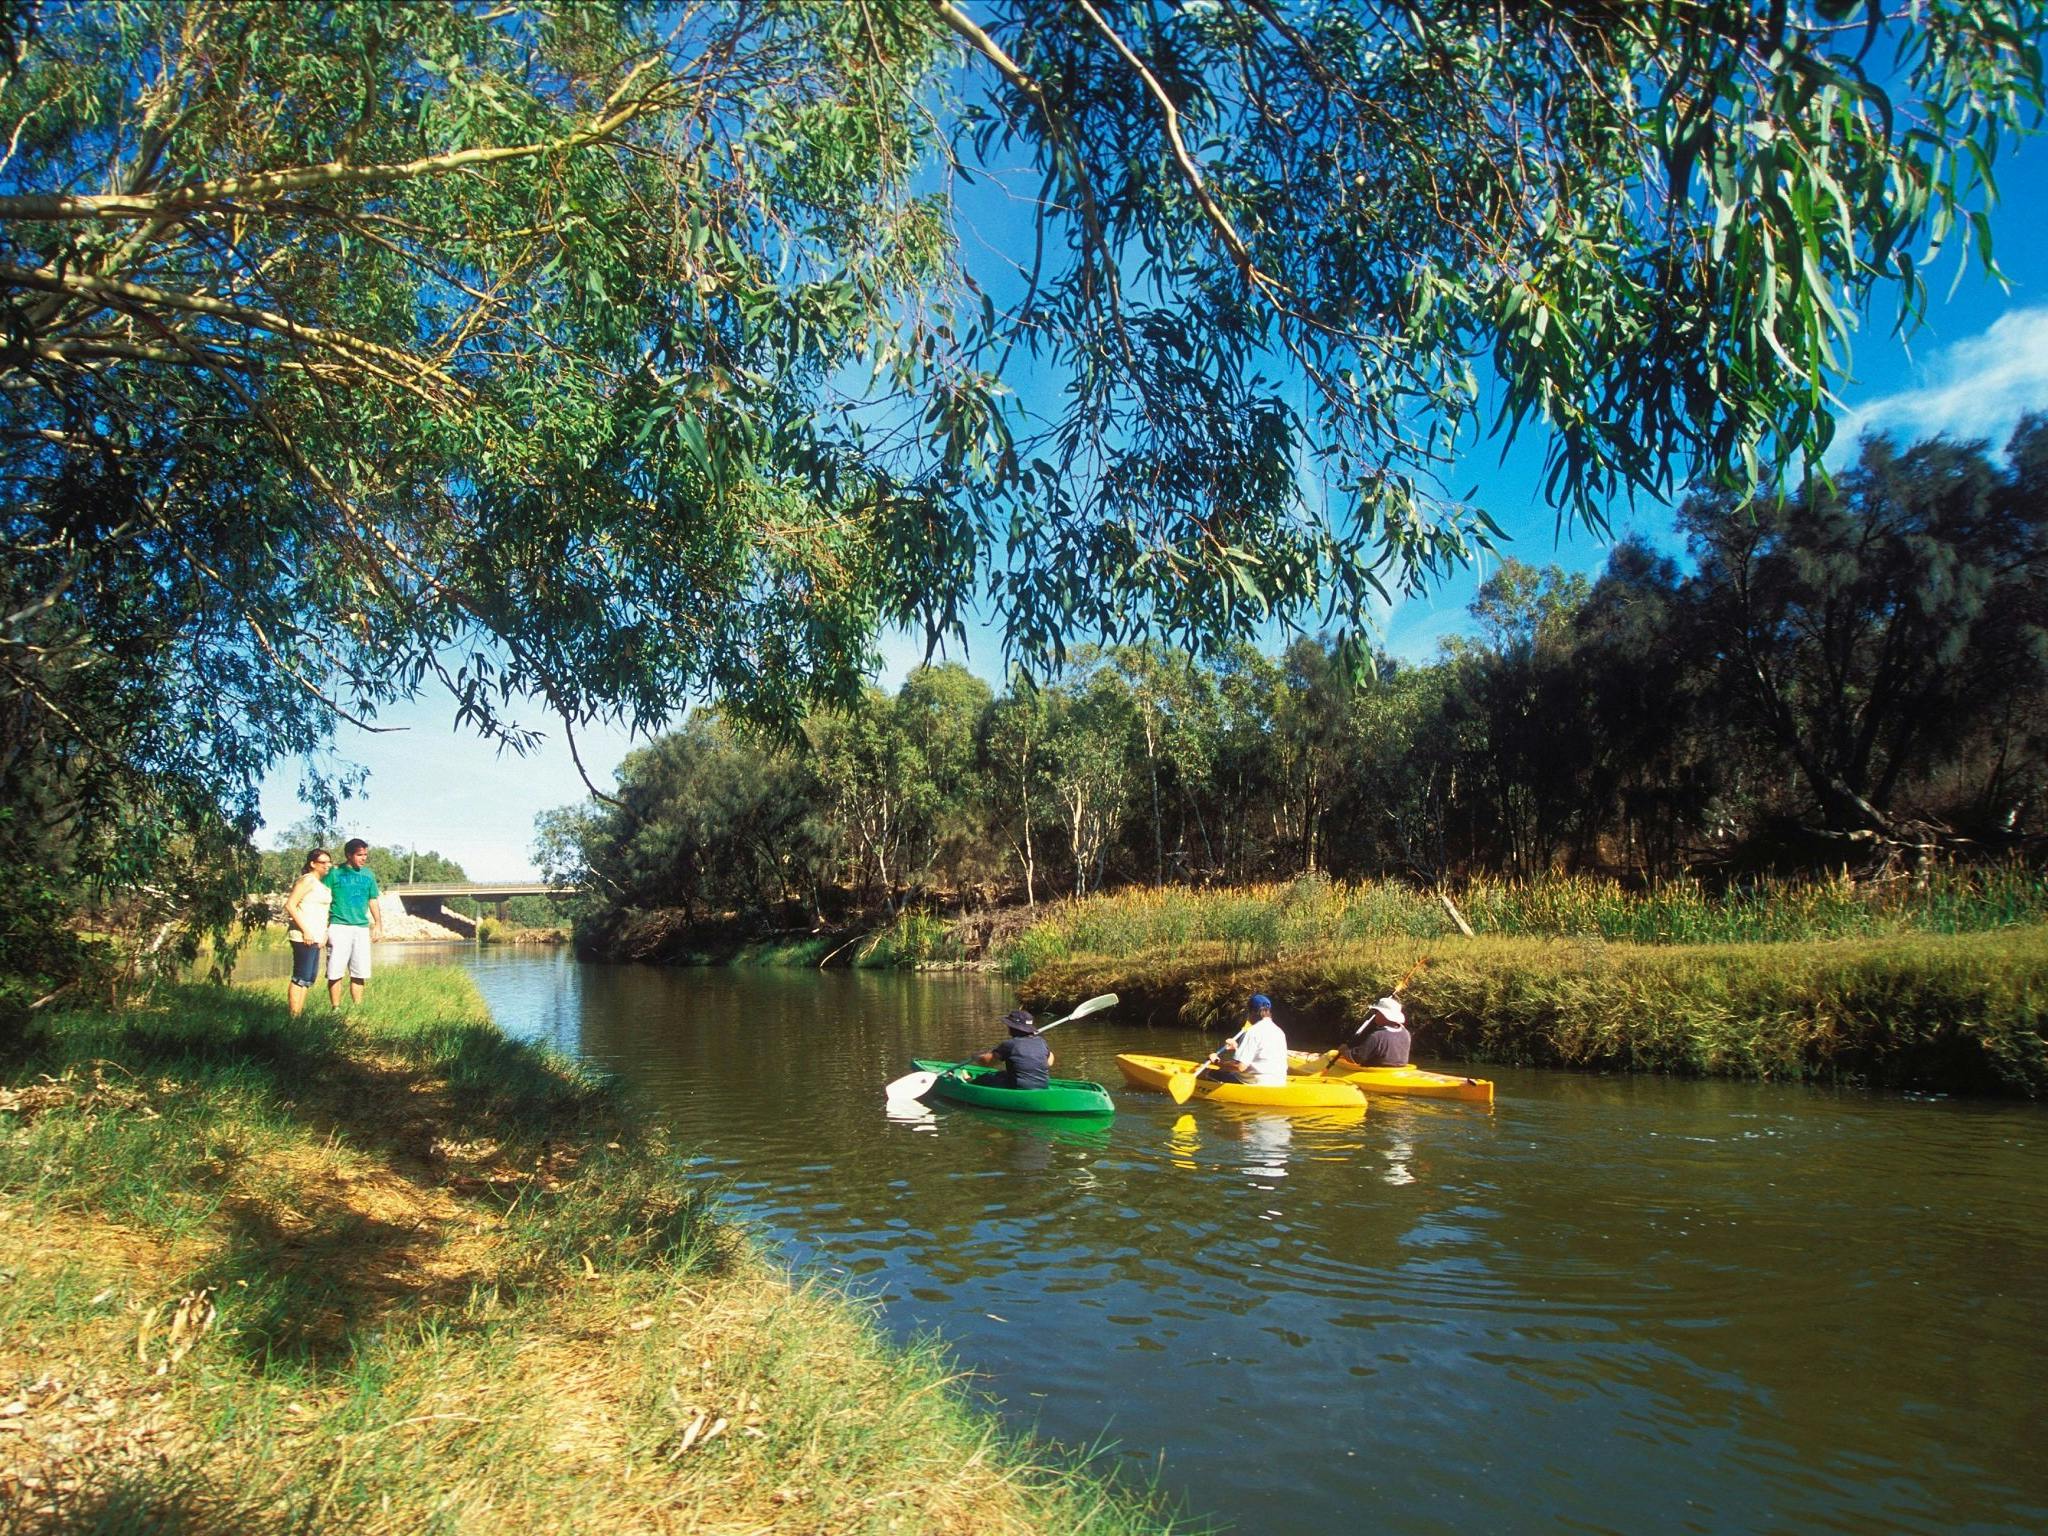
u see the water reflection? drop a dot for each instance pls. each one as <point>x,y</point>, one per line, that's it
<point>911,1112</point>
<point>1076,1130</point>
<point>1612,1304</point>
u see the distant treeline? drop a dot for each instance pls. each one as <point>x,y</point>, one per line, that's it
<point>1852,675</point>
<point>279,867</point>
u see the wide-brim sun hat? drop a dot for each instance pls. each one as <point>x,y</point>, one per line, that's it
<point>1390,1009</point>
<point>1020,1022</point>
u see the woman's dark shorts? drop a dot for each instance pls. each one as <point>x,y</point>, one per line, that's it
<point>305,964</point>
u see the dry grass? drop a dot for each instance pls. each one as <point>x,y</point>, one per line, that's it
<point>1313,914</point>
<point>1965,1013</point>
<point>415,1279</point>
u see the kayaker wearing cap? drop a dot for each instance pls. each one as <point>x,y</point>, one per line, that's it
<point>1026,1059</point>
<point>1382,1040</point>
<point>1255,1054</point>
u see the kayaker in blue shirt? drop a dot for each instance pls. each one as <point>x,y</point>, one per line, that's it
<point>1382,1040</point>
<point>1026,1059</point>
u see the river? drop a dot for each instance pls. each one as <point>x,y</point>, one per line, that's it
<point>1609,1304</point>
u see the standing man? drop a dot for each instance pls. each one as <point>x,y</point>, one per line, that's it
<point>352,923</point>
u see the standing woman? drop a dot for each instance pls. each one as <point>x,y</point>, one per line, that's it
<point>305,909</point>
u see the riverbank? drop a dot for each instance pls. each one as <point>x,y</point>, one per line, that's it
<point>1962,1013</point>
<point>1313,911</point>
<point>394,1272</point>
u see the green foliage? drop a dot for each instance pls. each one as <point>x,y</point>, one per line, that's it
<point>43,957</point>
<point>1889,633</point>
<point>534,912</point>
<point>597,359</point>
<point>1960,1013</point>
<point>1877,627</point>
<point>915,938</point>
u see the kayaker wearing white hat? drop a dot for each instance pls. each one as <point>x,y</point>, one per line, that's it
<point>1382,1040</point>
<point>1026,1059</point>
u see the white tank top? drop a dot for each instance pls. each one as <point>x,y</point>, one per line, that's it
<point>311,928</point>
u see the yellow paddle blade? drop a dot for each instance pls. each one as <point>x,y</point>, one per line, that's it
<point>1181,1086</point>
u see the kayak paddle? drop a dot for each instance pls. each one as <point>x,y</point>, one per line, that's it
<point>915,1085</point>
<point>1181,1086</point>
<point>1330,1060</point>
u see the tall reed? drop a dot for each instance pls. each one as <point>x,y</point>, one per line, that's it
<point>1266,921</point>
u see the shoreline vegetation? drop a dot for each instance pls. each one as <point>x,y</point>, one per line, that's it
<point>1963,1013</point>
<point>1268,919</point>
<point>1930,996</point>
<point>1937,984</point>
<point>394,1272</point>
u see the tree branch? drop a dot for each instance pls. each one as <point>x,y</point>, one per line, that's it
<point>111,206</point>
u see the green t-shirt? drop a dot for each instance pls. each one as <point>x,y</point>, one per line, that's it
<point>354,890</point>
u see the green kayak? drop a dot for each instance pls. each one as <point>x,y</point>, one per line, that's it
<point>979,1086</point>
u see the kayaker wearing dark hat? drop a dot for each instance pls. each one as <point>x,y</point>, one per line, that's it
<point>1382,1040</point>
<point>1026,1059</point>
<point>1255,1054</point>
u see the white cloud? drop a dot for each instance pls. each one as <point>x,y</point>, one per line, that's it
<point>1977,388</point>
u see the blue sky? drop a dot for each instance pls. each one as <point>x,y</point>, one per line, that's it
<point>1977,365</point>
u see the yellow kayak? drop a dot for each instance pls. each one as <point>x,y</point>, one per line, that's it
<point>1411,1081</point>
<point>1154,1072</point>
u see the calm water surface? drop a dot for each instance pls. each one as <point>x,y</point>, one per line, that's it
<point>1608,1305</point>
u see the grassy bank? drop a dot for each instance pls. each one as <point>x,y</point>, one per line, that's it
<point>1960,1013</point>
<point>1265,921</point>
<point>395,1273</point>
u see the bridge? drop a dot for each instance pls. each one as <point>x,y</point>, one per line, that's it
<point>425,899</point>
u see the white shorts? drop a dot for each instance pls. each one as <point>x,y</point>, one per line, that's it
<point>348,952</point>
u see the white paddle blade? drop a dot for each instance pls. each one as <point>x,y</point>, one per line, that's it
<point>914,1085</point>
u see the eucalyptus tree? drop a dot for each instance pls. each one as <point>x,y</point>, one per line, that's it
<point>1175,705</point>
<point>941,710</point>
<point>1090,740</point>
<point>1247,793</point>
<point>1873,629</point>
<point>1403,785</point>
<point>707,821</point>
<point>1311,746</point>
<point>1518,700</point>
<point>869,777</point>
<point>1013,754</point>
<point>595,358</point>
<point>1658,753</point>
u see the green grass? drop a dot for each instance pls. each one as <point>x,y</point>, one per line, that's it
<point>1964,1013</point>
<point>1312,913</point>
<point>455,1285</point>
<point>911,939</point>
